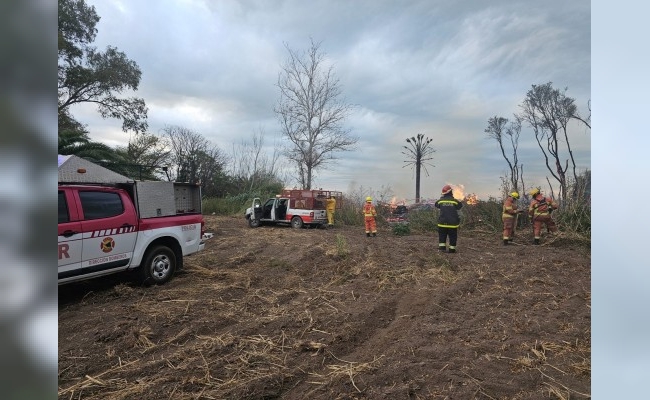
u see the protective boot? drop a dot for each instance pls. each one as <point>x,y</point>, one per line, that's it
<point>367,234</point>
<point>374,234</point>
<point>536,241</point>
<point>505,242</point>
<point>452,250</point>
<point>442,249</point>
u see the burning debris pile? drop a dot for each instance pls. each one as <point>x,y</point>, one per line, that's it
<point>397,211</point>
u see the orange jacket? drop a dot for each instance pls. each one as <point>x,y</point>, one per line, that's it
<point>510,207</point>
<point>369,210</point>
<point>541,205</point>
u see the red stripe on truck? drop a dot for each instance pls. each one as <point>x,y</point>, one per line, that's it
<point>166,222</point>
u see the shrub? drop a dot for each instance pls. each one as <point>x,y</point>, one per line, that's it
<point>232,205</point>
<point>423,220</point>
<point>350,213</point>
<point>342,249</point>
<point>401,229</point>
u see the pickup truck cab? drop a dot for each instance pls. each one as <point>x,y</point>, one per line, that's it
<point>109,229</point>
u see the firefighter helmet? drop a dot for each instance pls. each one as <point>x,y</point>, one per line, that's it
<point>534,192</point>
<point>368,199</point>
<point>446,189</point>
<point>514,195</point>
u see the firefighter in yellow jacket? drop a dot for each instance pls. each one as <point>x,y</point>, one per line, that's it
<point>540,210</point>
<point>509,217</point>
<point>369,214</point>
<point>331,208</point>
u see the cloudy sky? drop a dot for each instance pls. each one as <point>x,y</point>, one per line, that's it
<point>440,68</point>
<point>414,67</point>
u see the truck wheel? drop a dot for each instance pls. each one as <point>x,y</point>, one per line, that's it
<point>296,222</point>
<point>253,222</point>
<point>159,266</point>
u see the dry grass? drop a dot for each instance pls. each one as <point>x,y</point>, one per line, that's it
<point>320,318</point>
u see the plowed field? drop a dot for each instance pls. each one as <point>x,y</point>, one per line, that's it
<point>283,313</point>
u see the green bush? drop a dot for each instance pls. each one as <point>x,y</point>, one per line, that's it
<point>423,220</point>
<point>232,205</point>
<point>483,214</point>
<point>401,229</point>
<point>349,214</point>
<point>342,248</point>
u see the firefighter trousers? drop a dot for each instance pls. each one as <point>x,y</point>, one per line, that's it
<point>543,220</point>
<point>443,234</point>
<point>371,225</point>
<point>330,217</point>
<point>508,226</point>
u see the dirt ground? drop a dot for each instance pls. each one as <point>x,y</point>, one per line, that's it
<point>283,313</point>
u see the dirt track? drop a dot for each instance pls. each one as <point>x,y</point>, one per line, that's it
<point>280,313</point>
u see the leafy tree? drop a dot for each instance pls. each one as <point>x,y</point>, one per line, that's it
<point>86,75</point>
<point>419,153</point>
<point>193,159</point>
<point>146,157</point>
<point>501,129</point>
<point>210,172</point>
<point>548,111</point>
<point>311,112</point>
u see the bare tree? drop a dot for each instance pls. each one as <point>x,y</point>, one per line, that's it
<point>311,112</point>
<point>253,167</point>
<point>500,129</point>
<point>548,111</point>
<point>419,152</point>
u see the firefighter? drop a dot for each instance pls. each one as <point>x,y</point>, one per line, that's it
<point>331,207</point>
<point>369,214</point>
<point>448,219</point>
<point>540,211</point>
<point>509,217</point>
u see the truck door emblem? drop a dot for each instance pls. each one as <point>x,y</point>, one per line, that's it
<point>107,245</point>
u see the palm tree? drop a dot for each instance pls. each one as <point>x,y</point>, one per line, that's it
<point>78,143</point>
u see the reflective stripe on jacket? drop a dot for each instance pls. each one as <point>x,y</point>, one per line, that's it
<point>448,217</point>
<point>541,205</point>
<point>369,210</point>
<point>510,207</point>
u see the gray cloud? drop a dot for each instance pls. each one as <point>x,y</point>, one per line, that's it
<point>437,68</point>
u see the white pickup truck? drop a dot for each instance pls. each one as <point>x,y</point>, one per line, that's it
<point>106,228</point>
<point>295,207</point>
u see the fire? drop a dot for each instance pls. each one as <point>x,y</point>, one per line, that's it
<point>459,194</point>
<point>458,191</point>
<point>472,199</point>
<point>393,203</point>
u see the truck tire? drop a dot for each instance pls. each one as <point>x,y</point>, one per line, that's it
<point>159,266</point>
<point>296,222</point>
<point>254,222</point>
